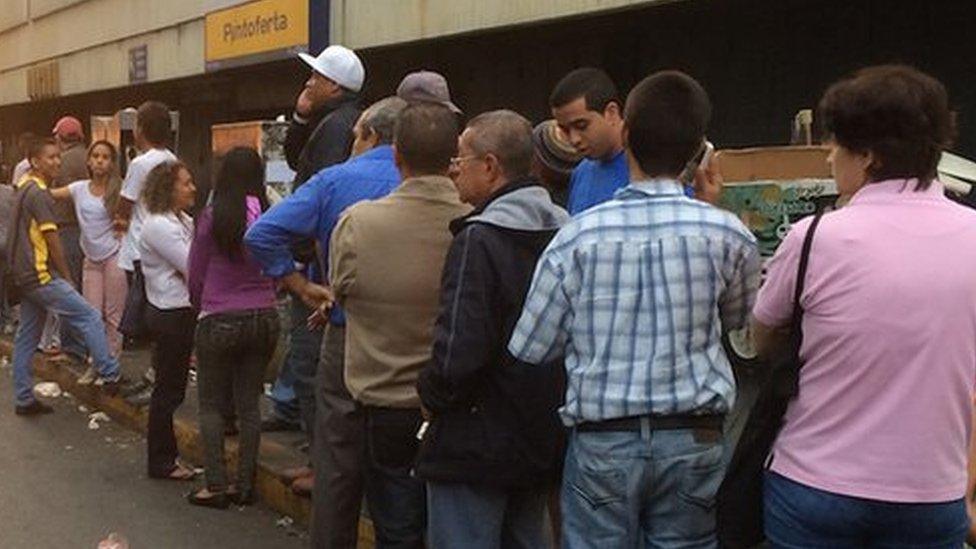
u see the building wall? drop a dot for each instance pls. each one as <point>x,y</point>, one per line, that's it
<point>365,24</point>
<point>91,38</point>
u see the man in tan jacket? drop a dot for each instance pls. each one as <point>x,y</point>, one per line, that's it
<point>386,261</point>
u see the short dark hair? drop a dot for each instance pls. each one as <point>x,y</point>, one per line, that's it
<point>507,135</point>
<point>591,84</point>
<point>37,146</point>
<point>24,141</point>
<point>154,123</point>
<point>898,113</point>
<point>666,117</point>
<point>425,137</point>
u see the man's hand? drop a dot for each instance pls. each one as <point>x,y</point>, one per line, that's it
<point>314,296</point>
<point>708,183</point>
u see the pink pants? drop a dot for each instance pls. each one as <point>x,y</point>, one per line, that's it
<point>104,286</point>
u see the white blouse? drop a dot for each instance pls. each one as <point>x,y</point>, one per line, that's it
<point>164,247</point>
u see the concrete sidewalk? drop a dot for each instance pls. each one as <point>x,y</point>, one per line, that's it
<point>278,452</point>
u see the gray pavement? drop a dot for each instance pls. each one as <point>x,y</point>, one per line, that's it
<point>63,485</point>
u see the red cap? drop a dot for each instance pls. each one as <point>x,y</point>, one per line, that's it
<point>68,126</point>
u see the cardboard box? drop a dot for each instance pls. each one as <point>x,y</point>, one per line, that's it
<point>772,188</point>
<point>774,163</point>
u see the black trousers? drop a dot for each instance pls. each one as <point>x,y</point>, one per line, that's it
<point>172,335</point>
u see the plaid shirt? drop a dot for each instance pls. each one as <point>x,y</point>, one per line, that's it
<point>635,294</point>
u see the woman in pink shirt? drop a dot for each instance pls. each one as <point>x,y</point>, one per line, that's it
<point>873,451</point>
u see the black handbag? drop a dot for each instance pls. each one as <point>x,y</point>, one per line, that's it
<point>739,503</point>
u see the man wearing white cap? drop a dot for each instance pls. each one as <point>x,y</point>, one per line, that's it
<point>320,135</point>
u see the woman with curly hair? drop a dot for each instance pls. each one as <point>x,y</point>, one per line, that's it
<point>873,449</point>
<point>164,247</point>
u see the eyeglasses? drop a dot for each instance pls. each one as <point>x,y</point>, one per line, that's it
<point>457,160</point>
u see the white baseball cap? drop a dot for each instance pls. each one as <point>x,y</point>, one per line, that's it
<point>339,64</point>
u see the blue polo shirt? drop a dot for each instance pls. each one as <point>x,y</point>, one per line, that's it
<point>315,208</point>
<point>594,182</point>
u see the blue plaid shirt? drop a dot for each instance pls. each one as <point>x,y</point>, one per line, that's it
<point>635,294</point>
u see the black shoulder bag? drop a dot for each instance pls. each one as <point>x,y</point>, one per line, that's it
<point>739,504</point>
<point>9,291</point>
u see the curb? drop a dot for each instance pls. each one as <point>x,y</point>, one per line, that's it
<point>273,492</point>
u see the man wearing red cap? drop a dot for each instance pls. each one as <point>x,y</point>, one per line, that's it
<point>70,137</point>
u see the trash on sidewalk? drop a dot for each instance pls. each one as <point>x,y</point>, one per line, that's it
<point>83,409</point>
<point>284,522</point>
<point>47,389</point>
<point>4,363</point>
<point>95,418</point>
<point>114,541</point>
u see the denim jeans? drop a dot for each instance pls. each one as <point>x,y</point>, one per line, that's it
<point>172,334</point>
<point>72,341</point>
<point>483,517</point>
<point>233,350</point>
<point>57,297</point>
<point>395,498</point>
<point>797,515</point>
<point>641,489</point>
<point>303,361</point>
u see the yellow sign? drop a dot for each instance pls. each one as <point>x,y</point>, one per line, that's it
<point>256,28</point>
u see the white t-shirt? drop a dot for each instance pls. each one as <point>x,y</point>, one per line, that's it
<point>98,242</point>
<point>135,179</point>
<point>164,247</point>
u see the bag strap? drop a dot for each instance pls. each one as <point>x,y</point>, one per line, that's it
<point>801,273</point>
<point>18,210</point>
<point>796,328</point>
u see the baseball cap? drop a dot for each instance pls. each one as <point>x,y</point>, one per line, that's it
<point>68,126</point>
<point>339,64</point>
<point>426,86</point>
<point>555,151</point>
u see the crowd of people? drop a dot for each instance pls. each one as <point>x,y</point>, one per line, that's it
<point>510,335</point>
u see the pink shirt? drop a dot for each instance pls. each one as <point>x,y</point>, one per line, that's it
<point>889,346</point>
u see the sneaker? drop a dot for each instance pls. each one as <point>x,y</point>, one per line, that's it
<point>35,408</point>
<point>88,377</point>
<point>134,388</point>
<point>141,398</point>
<point>109,385</point>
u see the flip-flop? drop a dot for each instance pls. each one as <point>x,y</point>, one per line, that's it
<point>181,473</point>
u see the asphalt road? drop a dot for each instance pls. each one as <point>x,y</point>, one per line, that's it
<point>64,486</point>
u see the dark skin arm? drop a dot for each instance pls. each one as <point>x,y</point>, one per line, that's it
<point>123,212</point>
<point>769,342</point>
<point>57,255</point>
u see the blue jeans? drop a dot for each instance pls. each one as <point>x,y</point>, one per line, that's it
<point>303,361</point>
<point>58,297</point>
<point>72,341</point>
<point>482,517</point>
<point>797,515</point>
<point>641,489</point>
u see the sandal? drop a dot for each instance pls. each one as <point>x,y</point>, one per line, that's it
<point>214,500</point>
<point>177,473</point>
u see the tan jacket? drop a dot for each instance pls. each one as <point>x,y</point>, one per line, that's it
<point>386,258</point>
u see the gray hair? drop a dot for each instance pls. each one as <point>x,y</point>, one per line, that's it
<point>507,135</point>
<point>380,118</point>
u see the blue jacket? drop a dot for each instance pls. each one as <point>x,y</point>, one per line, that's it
<point>315,208</point>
